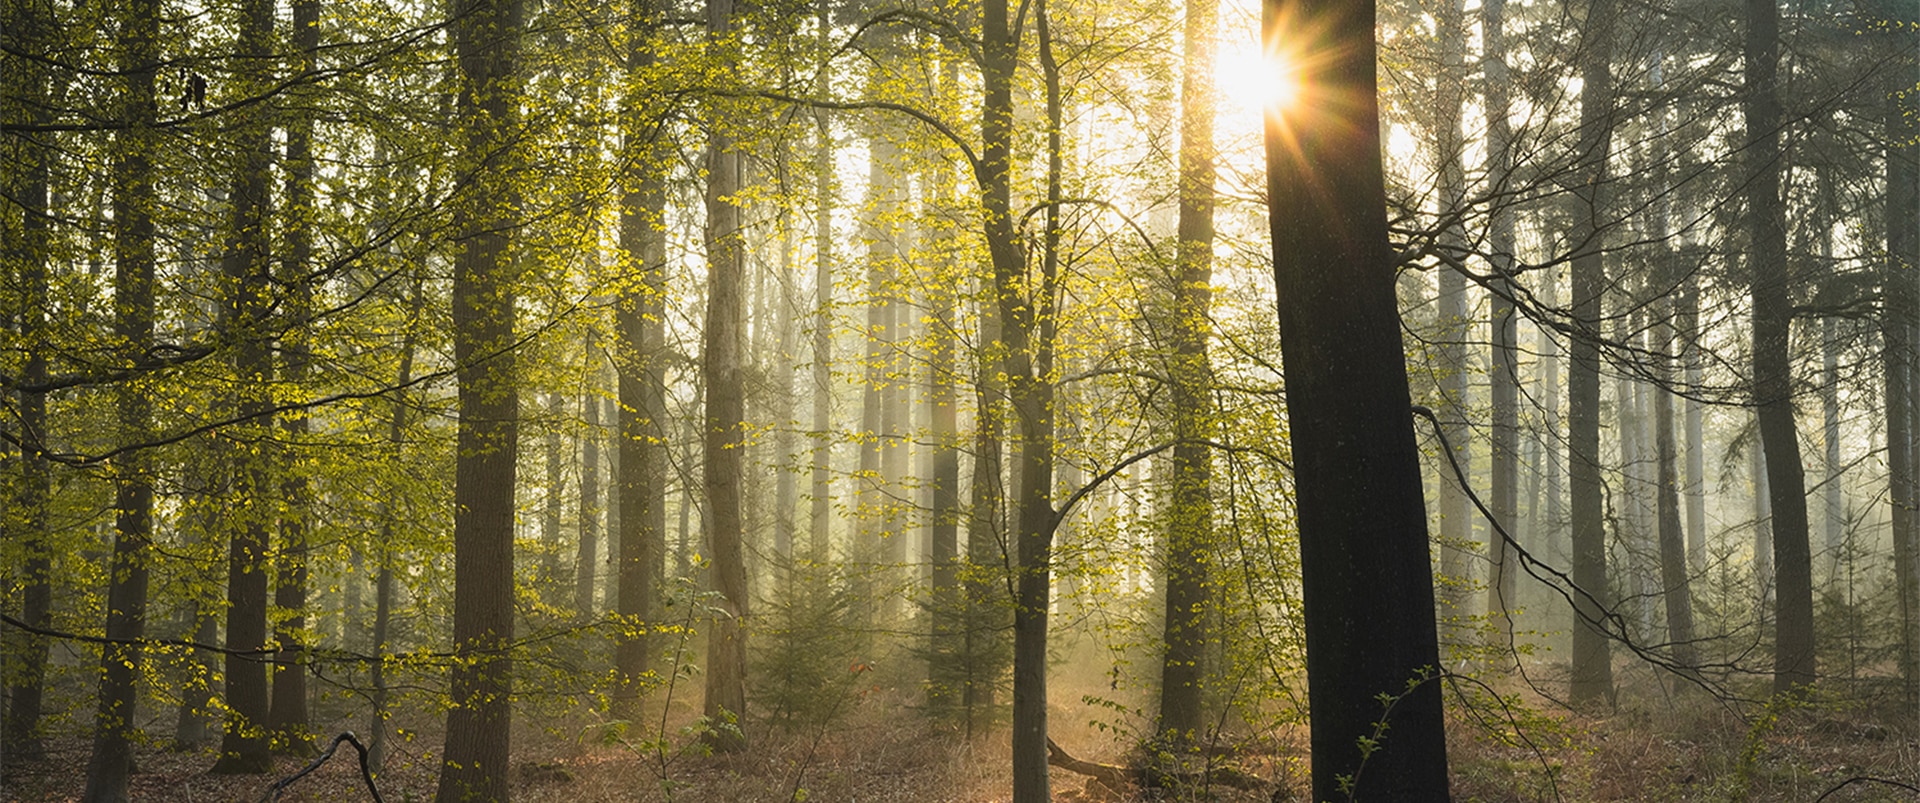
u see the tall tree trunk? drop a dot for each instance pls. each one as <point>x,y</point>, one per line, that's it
<point>872,550</point>
<point>1793,664</point>
<point>1362,521</point>
<point>134,200</point>
<point>486,42</point>
<point>383,581</point>
<point>1190,536</point>
<point>1592,682</point>
<point>820,476</point>
<point>553,505</point>
<point>26,669</point>
<point>247,273</point>
<point>725,430</point>
<point>587,552</point>
<point>1026,319</point>
<point>1675,574</point>
<point>1555,541</point>
<point>1456,510</point>
<point>947,655</point>
<point>287,716</point>
<point>1688,318</point>
<point>1504,382</point>
<point>640,359</point>
<point>1900,333</point>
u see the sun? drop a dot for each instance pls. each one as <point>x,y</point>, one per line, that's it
<point>1254,80</point>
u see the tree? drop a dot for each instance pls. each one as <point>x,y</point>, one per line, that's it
<point>1592,680</point>
<point>134,201</point>
<point>1190,536</point>
<point>246,268</point>
<point>1503,586</point>
<point>486,43</point>
<point>640,358</point>
<point>724,433</point>
<point>1772,366</point>
<point>1366,583</point>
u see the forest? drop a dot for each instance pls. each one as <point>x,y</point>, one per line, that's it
<point>960,400</point>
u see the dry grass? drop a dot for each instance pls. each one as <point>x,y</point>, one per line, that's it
<point>1657,749</point>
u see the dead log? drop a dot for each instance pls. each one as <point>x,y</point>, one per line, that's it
<point>1116,776</point>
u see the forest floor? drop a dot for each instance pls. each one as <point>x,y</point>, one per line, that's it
<point>883,750</point>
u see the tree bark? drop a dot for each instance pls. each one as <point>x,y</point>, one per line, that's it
<point>1190,537</point>
<point>641,354</point>
<point>725,430</point>
<point>1366,582</point>
<point>1592,682</point>
<point>1456,510</point>
<point>26,677</point>
<point>587,553</point>
<point>247,274</point>
<point>287,716</point>
<point>1772,366</point>
<point>134,200</point>
<point>486,41</point>
<point>1900,336</point>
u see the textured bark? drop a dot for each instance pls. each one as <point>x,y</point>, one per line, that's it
<point>1772,365</point>
<point>134,199</point>
<point>246,269</point>
<point>1026,317</point>
<point>641,354</point>
<point>1366,580</point>
<point>27,522</point>
<point>1504,380</point>
<point>1900,332</point>
<point>486,41</point>
<point>1183,667</point>
<point>287,716</point>
<point>1592,681</point>
<point>725,428</point>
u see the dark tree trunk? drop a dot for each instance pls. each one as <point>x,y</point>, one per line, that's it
<point>383,582</point>
<point>1592,682</point>
<point>1772,366</point>
<point>1687,316</point>
<point>134,200</point>
<point>725,430</point>
<point>287,717</point>
<point>1190,537</point>
<point>1900,333</point>
<point>247,271</point>
<point>27,653</point>
<point>486,42</point>
<point>1366,581</point>
<point>640,359</point>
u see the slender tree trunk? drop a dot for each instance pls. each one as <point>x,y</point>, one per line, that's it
<point>725,435</point>
<point>1362,522</point>
<point>820,479</point>
<point>27,656</point>
<point>553,506</point>
<point>1504,383</point>
<point>247,268</point>
<point>1772,366</point>
<point>1555,543</point>
<point>947,657</point>
<point>287,716</point>
<point>383,581</point>
<point>134,201</point>
<point>1900,335</point>
<point>587,554</point>
<point>1456,510</point>
<point>1190,537</point>
<point>1688,318</point>
<point>1675,579</point>
<point>1592,682</point>
<point>641,354</point>
<point>486,42</point>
